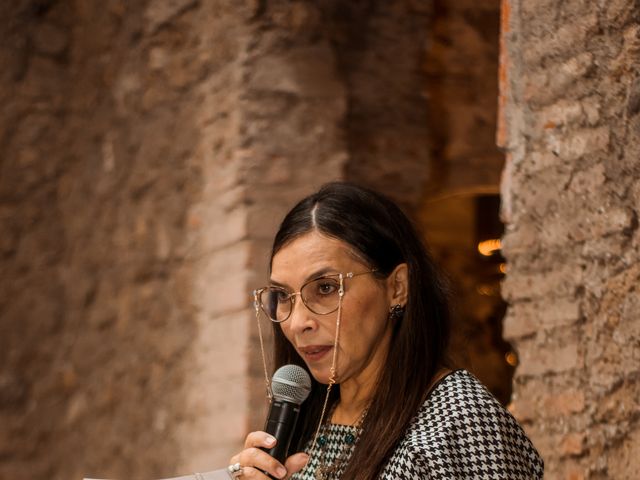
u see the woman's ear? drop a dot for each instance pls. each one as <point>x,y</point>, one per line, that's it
<point>398,285</point>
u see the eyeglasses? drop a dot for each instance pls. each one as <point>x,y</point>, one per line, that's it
<point>320,295</point>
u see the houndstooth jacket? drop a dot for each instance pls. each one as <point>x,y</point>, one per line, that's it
<point>460,432</point>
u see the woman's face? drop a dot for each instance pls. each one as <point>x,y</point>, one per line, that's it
<point>365,329</point>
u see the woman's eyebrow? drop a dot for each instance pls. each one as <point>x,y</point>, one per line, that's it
<point>278,284</point>
<point>313,276</point>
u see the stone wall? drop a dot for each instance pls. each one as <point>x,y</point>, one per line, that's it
<point>571,198</point>
<point>104,254</point>
<point>32,380</point>
<point>148,152</point>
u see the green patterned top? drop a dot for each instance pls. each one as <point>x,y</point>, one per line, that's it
<point>335,446</point>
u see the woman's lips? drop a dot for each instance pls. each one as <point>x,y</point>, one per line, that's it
<point>313,353</point>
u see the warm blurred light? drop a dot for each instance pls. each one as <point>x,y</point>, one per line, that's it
<point>503,268</point>
<point>511,358</point>
<point>489,247</point>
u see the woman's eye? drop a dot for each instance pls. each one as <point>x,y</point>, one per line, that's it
<point>281,297</point>
<point>326,288</point>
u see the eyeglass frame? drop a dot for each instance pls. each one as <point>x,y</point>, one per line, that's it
<point>291,295</point>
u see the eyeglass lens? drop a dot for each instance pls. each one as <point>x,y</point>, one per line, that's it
<point>320,296</point>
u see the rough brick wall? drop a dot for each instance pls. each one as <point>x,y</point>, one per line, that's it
<point>104,257</point>
<point>33,81</point>
<point>146,160</point>
<point>95,181</point>
<point>571,198</point>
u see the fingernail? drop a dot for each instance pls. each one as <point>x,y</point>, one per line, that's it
<point>281,471</point>
<point>270,440</point>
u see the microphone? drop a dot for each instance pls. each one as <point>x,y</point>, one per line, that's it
<point>290,387</point>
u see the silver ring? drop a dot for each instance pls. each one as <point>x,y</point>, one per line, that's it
<point>235,470</point>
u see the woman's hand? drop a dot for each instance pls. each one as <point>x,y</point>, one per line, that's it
<point>255,462</point>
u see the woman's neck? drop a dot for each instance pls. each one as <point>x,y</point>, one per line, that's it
<point>356,396</point>
<point>357,392</point>
<point>353,402</point>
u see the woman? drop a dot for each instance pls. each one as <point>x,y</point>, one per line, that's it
<point>357,301</point>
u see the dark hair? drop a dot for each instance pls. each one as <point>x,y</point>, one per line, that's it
<point>384,237</point>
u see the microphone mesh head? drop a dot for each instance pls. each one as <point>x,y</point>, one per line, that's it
<point>291,383</point>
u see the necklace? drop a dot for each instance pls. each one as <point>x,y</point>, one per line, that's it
<point>344,439</point>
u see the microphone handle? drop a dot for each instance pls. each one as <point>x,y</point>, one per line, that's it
<point>281,423</point>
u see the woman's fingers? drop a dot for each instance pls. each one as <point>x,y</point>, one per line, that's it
<point>295,463</point>
<point>253,458</point>
<point>259,439</point>
<point>254,473</point>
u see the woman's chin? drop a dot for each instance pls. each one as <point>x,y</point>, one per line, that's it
<point>321,375</point>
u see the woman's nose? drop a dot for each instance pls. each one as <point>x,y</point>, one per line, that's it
<point>301,317</point>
